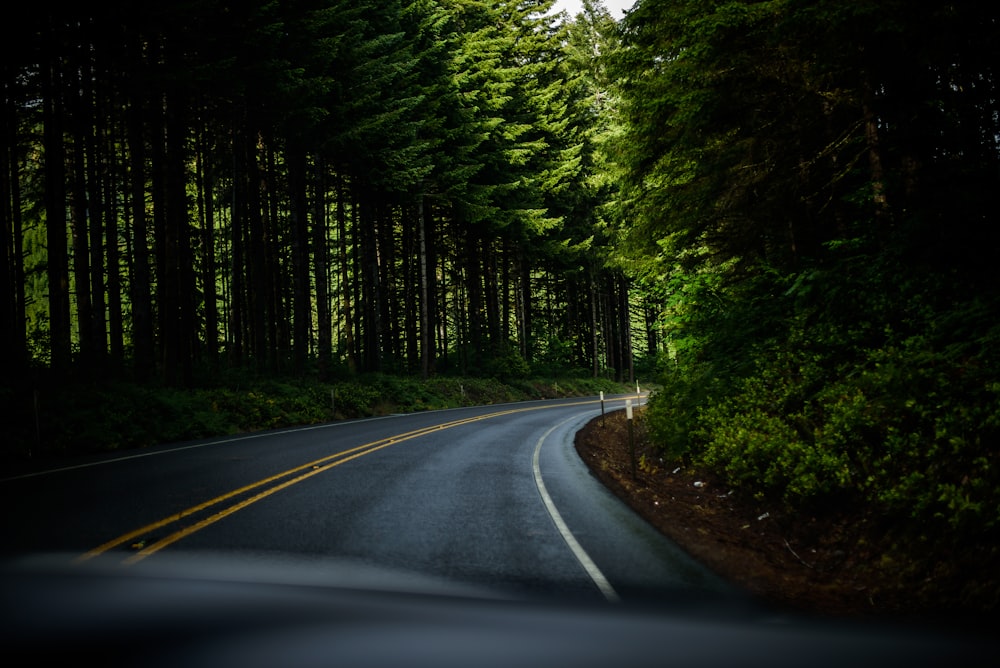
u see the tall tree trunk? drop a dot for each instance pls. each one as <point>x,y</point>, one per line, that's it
<point>595,349</point>
<point>371,353</point>
<point>461,309</point>
<point>650,321</point>
<point>208,262</point>
<point>442,317</point>
<point>277,319</point>
<point>411,285</point>
<point>115,180</point>
<point>12,315</point>
<point>55,214</point>
<point>165,240</point>
<point>97,214</point>
<point>8,301</point>
<point>165,282</point>
<point>301,304</point>
<point>79,209</point>
<point>474,296</point>
<point>505,310</point>
<point>175,263</point>
<point>627,355</point>
<point>346,286</point>
<point>491,298</point>
<point>612,326</point>
<point>180,229</point>
<point>238,298</point>
<point>526,324</point>
<point>875,159</point>
<point>140,284</point>
<point>424,220</point>
<point>258,297</point>
<point>321,262</point>
<point>386,297</point>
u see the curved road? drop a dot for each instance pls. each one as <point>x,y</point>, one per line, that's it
<point>492,497</point>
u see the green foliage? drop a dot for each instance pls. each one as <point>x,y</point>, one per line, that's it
<point>508,364</point>
<point>555,358</point>
<point>320,152</point>
<point>911,427</point>
<point>764,435</point>
<point>810,187</point>
<point>673,408</point>
<point>935,425</point>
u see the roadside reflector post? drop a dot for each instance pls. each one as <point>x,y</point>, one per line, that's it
<point>631,437</point>
<point>602,409</point>
<point>638,393</point>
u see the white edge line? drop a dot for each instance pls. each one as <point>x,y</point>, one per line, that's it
<point>168,449</point>
<point>581,555</point>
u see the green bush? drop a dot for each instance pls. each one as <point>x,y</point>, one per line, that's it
<point>355,399</point>
<point>905,427</point>
<point>938,432</point>
<point>554,359</point>
<point>766,436</point>
<point>507,365</point>
<point>673,408</point>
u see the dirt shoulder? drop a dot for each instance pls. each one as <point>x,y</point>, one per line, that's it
<point>831,565</point>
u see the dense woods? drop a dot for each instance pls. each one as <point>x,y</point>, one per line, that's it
<point>788,207</point>
<point>814,189</point>
<point>310,186</point>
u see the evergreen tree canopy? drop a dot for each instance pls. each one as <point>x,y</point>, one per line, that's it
<point>786,209</point>
<point>813,185</point>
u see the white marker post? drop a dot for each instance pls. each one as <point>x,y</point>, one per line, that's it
<point>631,438</point>
<point>602,408</point>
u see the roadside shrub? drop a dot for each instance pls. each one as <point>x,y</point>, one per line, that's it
<point>673,412</point>
<point>766,437</point>
<point>935,455</point>
<point>507,365</point>
<point>355,399</point>
<point>904,429</point>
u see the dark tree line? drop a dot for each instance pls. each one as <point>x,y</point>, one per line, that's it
<point>814,187</point>
<point>792,204</point>
<point>282,186</point>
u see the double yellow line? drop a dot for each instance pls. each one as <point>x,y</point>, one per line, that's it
<point>267,487</point>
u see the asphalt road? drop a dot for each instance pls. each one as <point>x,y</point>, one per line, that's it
<point>384,542</point>
<point>491,498</point>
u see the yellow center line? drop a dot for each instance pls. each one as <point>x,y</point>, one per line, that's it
<point>316,466</point>
<point>198,526</point>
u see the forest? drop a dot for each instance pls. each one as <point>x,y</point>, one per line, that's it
<point>320,189</point>
<point>786,210</point>
<point>812,195</point>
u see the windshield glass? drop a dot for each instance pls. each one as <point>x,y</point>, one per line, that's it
<point>596,303</point>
